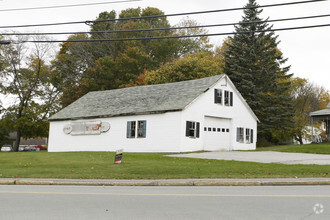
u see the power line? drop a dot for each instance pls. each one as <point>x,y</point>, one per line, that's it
<point>206,12</point>
<point>164,29</point>
<point>158,16</point>
<point>172,37</point>
<point>67,6</point>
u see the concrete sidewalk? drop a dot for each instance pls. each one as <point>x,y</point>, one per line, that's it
<point>262,157</point>
<point>169,182</point>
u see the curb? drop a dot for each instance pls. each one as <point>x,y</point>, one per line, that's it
<point>163,182</point>
<point>301,183</point>
<point>227,183</point>
<point>7,182</point>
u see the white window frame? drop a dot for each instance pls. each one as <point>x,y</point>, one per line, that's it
<point>139,132</point>
<point>248,135</point>
<point>240,135</point>
<point>193,130</point>
<point>131,129</point>
<point>226,98</point>
<point>218,96</point>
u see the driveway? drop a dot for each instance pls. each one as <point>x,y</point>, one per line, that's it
<point>262,157</point>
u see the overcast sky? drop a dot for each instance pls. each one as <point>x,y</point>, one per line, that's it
<point>307,50</point>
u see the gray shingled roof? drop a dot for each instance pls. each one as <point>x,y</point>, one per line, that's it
<point>136,100</point>
<point>322,112</point>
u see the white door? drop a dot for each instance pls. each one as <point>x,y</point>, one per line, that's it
<point>216,133</point>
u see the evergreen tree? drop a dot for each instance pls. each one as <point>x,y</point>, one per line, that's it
<point>254,64</point>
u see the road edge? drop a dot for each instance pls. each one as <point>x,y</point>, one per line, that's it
<point>168,182</point>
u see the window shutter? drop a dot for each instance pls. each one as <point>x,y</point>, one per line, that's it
<point>187,128</point>
<point>226,100</point>
<point>251,136</point>
<point>197,129</point>
<point>220,97</point>
<point>237,134</point>
<point>231,98</point>
<point>216,98</point>
<point>144,128</point>
<point>128,130</point>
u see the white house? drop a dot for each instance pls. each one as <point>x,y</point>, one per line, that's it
<point>324,117</point>
<point>204,114</point>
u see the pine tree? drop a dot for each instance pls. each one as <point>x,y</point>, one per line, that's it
<point>254,64</point>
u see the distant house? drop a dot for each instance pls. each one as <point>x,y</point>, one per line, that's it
<point>31,141</point>
<point>323,116</point>
<point>10,139</point>
<point>203,114</point>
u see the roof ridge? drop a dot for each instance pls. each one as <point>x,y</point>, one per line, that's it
<point>159,84</point>
<point>146,99</point>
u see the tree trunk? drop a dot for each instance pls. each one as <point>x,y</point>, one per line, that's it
<point>18,133</point>
<point>18,140</point>
<point>300,139</point>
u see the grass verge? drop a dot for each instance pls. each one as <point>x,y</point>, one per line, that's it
<point>323,148</point>
<point>100,165</point>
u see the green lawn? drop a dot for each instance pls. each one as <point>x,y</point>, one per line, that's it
<point>323,148</point>
<point>101,165</point>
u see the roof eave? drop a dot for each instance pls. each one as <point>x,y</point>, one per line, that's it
<point>114,115</point>
<point>320,113</point>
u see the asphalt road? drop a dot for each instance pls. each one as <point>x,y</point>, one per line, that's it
<point>93,202</point>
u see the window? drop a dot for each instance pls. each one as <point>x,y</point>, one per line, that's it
<point>136,131</point>
<point>192,129</point>
<point>219,130</point>
<point>240,135</point>
<point>247,135</point>
<point>214,129</point>
<point>142,125</point>
<point>131,129</point>
<point>223,130</point>
<point>227,130</point>
<point>249,139</point>
<point>228,98</point>
<point>218,96</point>
<point>251,136</point>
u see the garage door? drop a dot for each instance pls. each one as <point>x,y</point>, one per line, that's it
<point>216,133</point>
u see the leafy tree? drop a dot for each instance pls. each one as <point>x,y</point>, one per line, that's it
<point>2,62</point>
<point>4,132</point>
<point>3,129</point>
<point>221,51</point>
<point>83,67</point>
<point>26,78</point>
<point>102,49</point>
<point>254,64</point>
<point>193,66</point>
<point>109,73</point>
<point>325,99</point>
<point>191,45</point>
<point>69,68</point>
<point>307,98</point>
